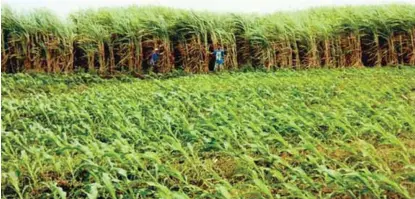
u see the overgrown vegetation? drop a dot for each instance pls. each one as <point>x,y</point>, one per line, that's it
<point>112,40</point>
<point>326,133</point>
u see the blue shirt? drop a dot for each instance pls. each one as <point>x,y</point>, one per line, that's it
<point>155,56</point>
<point>219,54</point>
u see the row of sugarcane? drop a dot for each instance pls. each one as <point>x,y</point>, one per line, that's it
<point>120,40</point>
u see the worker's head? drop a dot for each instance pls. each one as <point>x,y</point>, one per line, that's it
<point>156,49</point>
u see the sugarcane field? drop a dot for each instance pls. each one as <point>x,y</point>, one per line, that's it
<point>166,102</point>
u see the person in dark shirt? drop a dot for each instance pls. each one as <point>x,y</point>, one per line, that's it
<point>219,54</point>
<point>154,57</point>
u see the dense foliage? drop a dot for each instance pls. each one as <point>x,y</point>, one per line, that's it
<point>322,133</point>
<point>110,40</point>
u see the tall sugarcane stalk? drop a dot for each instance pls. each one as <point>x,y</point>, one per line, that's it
<point>412,42</point>
<point>327,50</point>
<point>378,50</point>
<point>329,37</point>
<point>4,52</point>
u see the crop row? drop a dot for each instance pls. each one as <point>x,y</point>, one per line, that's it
<point>309,134</point>
<point>110,40</point>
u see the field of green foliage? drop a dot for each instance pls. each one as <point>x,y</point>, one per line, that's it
<point>298,134</point>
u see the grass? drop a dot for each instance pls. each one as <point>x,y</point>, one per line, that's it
<point>299,134</point>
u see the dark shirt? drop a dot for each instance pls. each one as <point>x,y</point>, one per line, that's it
<point>155,56</point>
<point>219,55</point>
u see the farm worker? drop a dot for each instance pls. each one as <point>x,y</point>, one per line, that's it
<point>154,57</point>
<point>219,57</point>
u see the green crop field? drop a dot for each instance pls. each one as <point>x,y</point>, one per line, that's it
<point>321,133</point>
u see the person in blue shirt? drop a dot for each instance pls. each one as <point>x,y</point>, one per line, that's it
<point>154,57</point>
<point>219,58</point>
